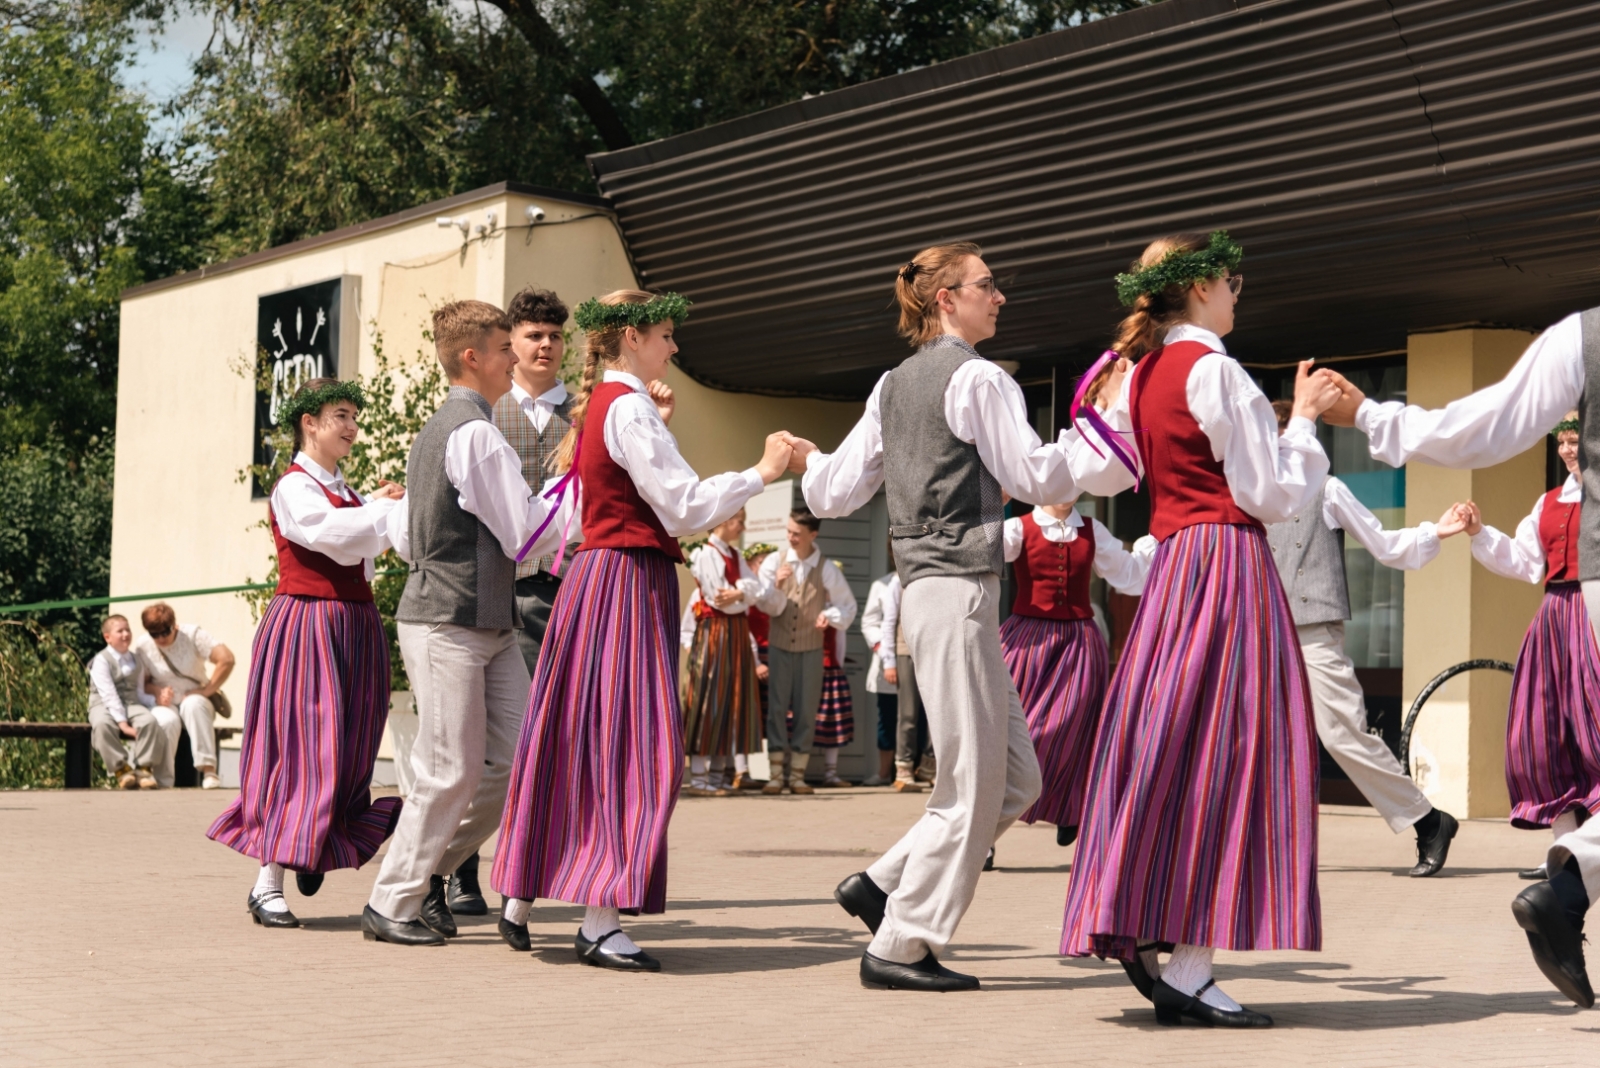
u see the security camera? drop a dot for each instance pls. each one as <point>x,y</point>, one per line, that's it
<point>534,213</point>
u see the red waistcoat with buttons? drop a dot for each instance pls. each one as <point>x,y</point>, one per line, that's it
<point>730,572</point>
<point>615,516</point>
<point>1187,486</point>
<point>1053,576</point>
<point>304,572</point>
<point>1558,533</point>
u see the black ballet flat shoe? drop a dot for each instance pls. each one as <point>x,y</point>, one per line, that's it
<point>376,927</point>
<point>264,918</point>
<point>860,897</point>
<point>1432,850</point>
<point>1172,1007</point>
<point>1539,874</point>
<point>435,910</point>
<point>308,882</point>
<point>596,954</point>
<point>1556,943</point>
<point>1065,836</point>
<point>926,974</point>
<point>1138,974</point>
<point>465,896</point>
<point>988,861</point>
<point>516,935</point>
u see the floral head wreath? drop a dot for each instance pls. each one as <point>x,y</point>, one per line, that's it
<point>760,548</point>
<point>1181,268</point>
<point>1566,425</point>
<point>310,401</point>
<point>593,317</point>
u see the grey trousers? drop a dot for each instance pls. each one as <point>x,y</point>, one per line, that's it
<point>988,774</point>
<point>148,747</point>
<point>471,691</point>
<point>910,736</point>
<point>794,681</point>
<point>1583,844</point>
<point>1341,718</point>
<point>536,599</point>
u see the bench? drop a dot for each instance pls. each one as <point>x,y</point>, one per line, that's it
<point>78,763</point>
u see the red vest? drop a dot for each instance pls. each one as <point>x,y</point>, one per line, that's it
<point>614,515</point>
<point>1053,577</point>
<point>760,626</point>
<point>1558,533</point>
<point>303,572</point>
<point>1187,486</point>
<point>730,572</point>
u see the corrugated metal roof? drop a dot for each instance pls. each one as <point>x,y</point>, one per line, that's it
<point>1388,166</point>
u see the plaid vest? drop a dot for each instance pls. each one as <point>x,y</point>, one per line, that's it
<point>534,450</point>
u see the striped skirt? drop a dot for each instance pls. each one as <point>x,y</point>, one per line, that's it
<point>314,713</point>
<point>601,754</point>
<point>1059,666</point>
<point>1553,730</point>
<point>1200,815</point>
<point>721,695</point>
<point>836,718</point>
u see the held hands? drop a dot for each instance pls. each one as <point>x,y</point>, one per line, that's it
<point>1343,411</point>
<point>802,451</point>
<point>1315,391</point>
<point>661,393</point>
<point>1471,518</point>
<point>388,491</point>
<point>1453,522</point>
<point>1105,393</point>
<point>775,460</point>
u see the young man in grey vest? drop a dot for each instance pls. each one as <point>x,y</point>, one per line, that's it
<point>1309,552</point>
<point>534,418</point>
<point>467,512</point>
<point>119,710</point>
<point>1484,428</point>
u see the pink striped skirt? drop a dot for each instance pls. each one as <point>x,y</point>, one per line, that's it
<point>1200,819</point>
<point>314,713</point>
<point>1553,729</point>
<point>1059,666</point>
<point>601,753</point>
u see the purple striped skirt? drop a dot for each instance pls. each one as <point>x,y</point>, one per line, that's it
<point>721,697</point>
<point>1200,818</point>
<point>1059,666</point>
<point>601,753</point>
<point>1553,730</point>
<point>836,717</point>
<point>314,713</point>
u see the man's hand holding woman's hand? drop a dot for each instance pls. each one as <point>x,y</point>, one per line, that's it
<point>388,491</point>
<point>775,460</point>
<point>802,450</point>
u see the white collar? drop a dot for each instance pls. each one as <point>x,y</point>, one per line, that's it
<point>721,546</point>
<point>1191,332</point>
<point>792,557</point>
<point>333,480</point>
<point>1045,519</point>
<point>553,397</point>
<point>1571,490</point>
<point>121,656</point>
<point>631,381</point>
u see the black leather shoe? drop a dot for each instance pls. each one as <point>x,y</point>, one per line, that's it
<point>1065,836</point>
<point>1557,945</point>
<point>926,974</point>
<point>465,896</point>
<point>308,882</point>
<point>269,919</point>
<point>1138,974</point>
<point>1432,850</point>
<point>1172,1007</point>
<point>988,861</point>
<point>435,912</point>
<point>516,935</point>
<point>379,928</point>
<point>1539,874</point>
<point>599,956</point>
<point>860,897</point>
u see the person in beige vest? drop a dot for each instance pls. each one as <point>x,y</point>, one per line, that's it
<point>118,712</point>
<point>810,595</point>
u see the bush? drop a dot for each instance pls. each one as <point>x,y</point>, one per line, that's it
<point>41,681</point>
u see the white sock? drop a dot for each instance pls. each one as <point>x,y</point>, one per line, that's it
<point>598,921</point>
<point>741,763</point>
<point>830,762</point>
<point>269,888</point>
<point>1189,969</point>
<point>517,910</point>
<point>1565,823</point>
<point>1151,959</point>
<point>697,772</point>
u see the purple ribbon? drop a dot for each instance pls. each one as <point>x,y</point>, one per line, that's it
<point>1112,438</point>
<point>559,492</point>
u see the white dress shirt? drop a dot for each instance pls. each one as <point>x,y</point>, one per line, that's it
<point>1124,570</point>
<point>891,621</point>
<point>707,565</point>
<point>1521,557</point>
<point>184,665</point>
<point>1493,424</point>
<point>347,536</point>
<point>641,445</point>
<point>1405,549</point>
<point>106,686</point>
<point>983,406</point>
<point>539,409</point>
<point>840,605</point>
<point>872,629</point>
<point>1270,475</point>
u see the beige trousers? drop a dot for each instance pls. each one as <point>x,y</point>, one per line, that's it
<point>471,692</point>
<point>148,746</point>
<point>988,774</point>
<point>195,715</point>
<point>1583,844</point>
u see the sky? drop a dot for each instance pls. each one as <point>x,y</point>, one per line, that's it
<point>161,60</point>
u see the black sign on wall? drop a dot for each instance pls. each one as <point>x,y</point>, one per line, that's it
<point>297,334</point>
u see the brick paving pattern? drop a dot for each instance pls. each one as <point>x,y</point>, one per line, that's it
<point>126,941</point>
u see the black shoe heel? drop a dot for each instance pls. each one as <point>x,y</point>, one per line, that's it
<point>1168,1017</point>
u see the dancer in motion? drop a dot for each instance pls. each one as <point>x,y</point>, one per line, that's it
<point>1200,826</point>
<point>1057,655</point>
<point>601,754</point>
<point>944,433</point>
<point>318,695</point>
<point>1494,424</point>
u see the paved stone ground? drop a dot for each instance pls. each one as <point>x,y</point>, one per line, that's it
<point>125,941</point>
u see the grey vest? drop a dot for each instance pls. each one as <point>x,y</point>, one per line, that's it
<point>459,573</point>
<point>945,511</point>
<point>127,682</point>
<point>1310,560</point>
<point>1589,450</point>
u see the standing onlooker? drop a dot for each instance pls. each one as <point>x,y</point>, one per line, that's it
<point>185,669</point>
<point>873,631</point>
<point>836,720</point>
<point>117,710</point>
<point>760,633</point>
<point>911,726</point>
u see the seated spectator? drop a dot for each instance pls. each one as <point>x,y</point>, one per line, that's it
<point>118,710</point>
<point>185,669</point>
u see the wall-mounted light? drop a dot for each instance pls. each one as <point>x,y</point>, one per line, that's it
<point>534,214</point>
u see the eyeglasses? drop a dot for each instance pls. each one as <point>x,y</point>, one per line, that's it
<point>986,284</point>
<point>159,632</point>
<point>1235,283</point>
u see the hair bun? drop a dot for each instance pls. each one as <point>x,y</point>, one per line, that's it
<point>909,271</point>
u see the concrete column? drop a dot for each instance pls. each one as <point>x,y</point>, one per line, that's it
<point>1455,609</point>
